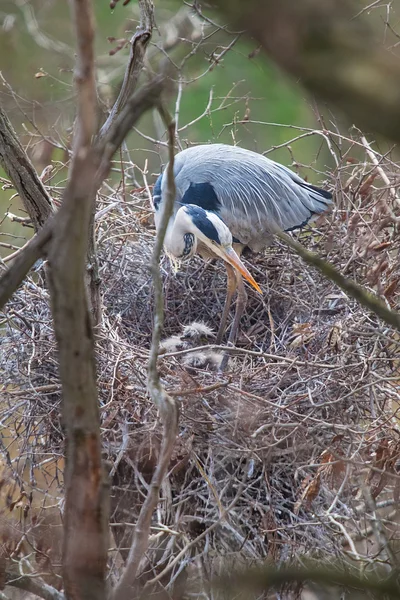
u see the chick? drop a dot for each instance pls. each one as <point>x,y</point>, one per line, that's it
<point>193,335</point>
<point>197,333</point>
<point>172,344</point>
<point>202,360</point>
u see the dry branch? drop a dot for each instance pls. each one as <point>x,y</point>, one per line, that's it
<point>144,99</point>
<point>138,45</point>
<point>86,514</point>
<point>32,584</point>
<point>22,173</point>
<point>148,96</point>
<point>166,405</point>
<point>337,57</point>
<point>17,271</point>
<point>359,293</point>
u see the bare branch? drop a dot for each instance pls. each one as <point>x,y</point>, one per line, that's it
<point>22,173</point>
<point>138,46</point>
<point>166,405</point>
<point>86,514</point>
<point>336,56</point>
<point>349,287</point>
<point>147,97</point>
<point>23,262</point>
<point>33,585</point>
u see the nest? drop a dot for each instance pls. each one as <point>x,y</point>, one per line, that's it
<point>272,455</point>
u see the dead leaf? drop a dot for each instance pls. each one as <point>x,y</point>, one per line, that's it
<point>365,189</point>
<point>310,486</point>
<point>379,247</point>
<point>391,288</point>
<point>303,334</point>
<point>335,336</point>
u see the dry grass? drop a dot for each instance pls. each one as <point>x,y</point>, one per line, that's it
<point>273,455</point>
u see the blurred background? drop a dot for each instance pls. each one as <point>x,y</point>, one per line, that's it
<point>226,91</point>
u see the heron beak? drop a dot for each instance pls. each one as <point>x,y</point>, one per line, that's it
<point>230,256</point>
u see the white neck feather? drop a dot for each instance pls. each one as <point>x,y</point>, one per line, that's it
<point>178,226</point>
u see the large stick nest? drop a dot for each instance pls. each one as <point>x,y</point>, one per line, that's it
<point>272,455</point>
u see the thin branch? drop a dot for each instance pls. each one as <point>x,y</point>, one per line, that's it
<point>144,99</point>
<point>17,271</point>
<point>351,288</point>
<point>33,585</point>
<point>166,405</point>
<point>147,97</point>
<point>138,46</point>
<point>381,172</point>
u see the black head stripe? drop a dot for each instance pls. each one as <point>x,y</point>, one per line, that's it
<point>157,192</point>
<point>203,195</point>
<point>201,221</point>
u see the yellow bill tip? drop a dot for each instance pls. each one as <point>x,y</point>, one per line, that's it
<point>233,259</point>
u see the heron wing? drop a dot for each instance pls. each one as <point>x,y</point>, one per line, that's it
<point>253,195</point>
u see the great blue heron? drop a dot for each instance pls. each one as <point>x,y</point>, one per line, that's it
<point>228,198</point>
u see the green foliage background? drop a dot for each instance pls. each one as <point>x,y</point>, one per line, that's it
<point>36,39</point>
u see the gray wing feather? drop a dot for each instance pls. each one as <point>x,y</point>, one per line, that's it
<point>257,195</point>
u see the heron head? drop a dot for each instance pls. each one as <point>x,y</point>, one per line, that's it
<point>209,229</point>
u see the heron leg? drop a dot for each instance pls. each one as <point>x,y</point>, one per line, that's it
<point>230,290</point>
<point>240,307</point>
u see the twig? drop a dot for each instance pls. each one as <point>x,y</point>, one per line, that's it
<point>351,288</point>
<point>166,405</point>
<point>147,97</point>
<point>378,528</point>
<point>381,172</point>
<point>13,255</point>
<point>40,389</point>
<point>199,390</point>
<point>257,354</point>
<point>138,46</point>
